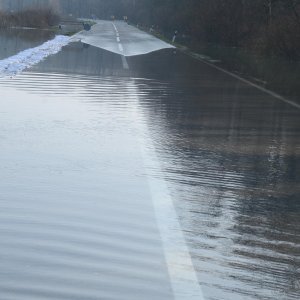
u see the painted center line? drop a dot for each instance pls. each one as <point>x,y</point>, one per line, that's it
<point>124,62</point>
<point>115,27</point>
<point>121,47</point>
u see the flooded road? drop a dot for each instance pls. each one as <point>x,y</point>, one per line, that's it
<point>76,205</point>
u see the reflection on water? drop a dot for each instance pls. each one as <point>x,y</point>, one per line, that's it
<point>79,58</point>
<point>230,154</point>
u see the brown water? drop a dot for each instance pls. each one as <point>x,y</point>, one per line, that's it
<point>230,155</point>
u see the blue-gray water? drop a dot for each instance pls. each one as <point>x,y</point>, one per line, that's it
<point>69,134</point>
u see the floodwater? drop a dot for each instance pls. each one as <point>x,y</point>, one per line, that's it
<point>276,73</point>
<point>76,212</point>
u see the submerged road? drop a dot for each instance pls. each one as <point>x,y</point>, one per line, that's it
<point>158,178</point>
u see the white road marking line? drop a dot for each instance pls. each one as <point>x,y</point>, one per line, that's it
<point>121,47</point>
<point>181,270</point>
<point>180,267</point>
<point>273,94</point>
<point>115,27</point>
<point>124,62</point>
<point>125,65</point>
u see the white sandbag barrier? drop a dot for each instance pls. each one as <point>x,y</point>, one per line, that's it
<point>29,57</point>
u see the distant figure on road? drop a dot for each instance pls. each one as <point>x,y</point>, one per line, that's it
<point>87,27</point>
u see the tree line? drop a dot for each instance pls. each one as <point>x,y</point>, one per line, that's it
<point>270,27</point>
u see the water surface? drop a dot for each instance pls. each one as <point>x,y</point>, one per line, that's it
<point>70,130</point>
<point>13,40</point>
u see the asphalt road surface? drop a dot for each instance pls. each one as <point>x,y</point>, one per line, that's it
<point>121,38</point>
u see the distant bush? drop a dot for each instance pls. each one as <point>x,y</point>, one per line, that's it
<point>36,18</point>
